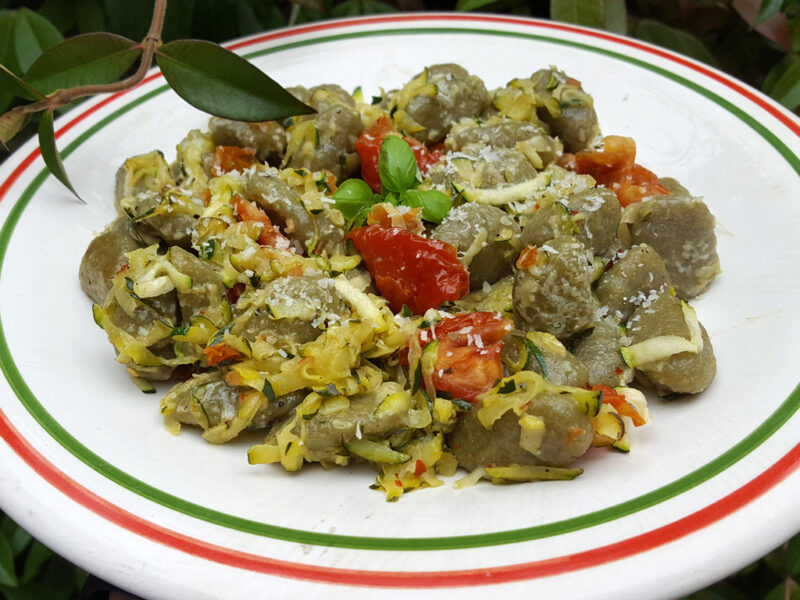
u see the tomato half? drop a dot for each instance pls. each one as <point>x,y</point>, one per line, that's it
<point>614,167</point>
<point>468,360</point>
<point>410,269</point>
<point>368,147</point>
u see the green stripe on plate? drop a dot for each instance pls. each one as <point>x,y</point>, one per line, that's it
<point>605,515</point>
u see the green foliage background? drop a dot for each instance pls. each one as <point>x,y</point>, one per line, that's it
<point>709,30</point>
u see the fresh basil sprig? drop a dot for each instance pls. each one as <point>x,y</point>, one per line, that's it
<point>352,196</point>
<point>397,165</point>
<point>435,205</point>
<point>400,176</point>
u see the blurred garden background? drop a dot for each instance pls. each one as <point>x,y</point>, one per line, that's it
<point>756,41</point>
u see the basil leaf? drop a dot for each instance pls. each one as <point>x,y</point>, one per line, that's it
<point>352,196</point>
<point>435,205</point>
<point>397,165</point>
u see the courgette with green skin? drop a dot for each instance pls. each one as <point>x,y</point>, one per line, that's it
<point>520,473</point>
<point>376,452</point>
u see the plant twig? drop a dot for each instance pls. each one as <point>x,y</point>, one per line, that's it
<point>148,46</point>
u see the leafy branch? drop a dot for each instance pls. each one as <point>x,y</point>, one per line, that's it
<point>204,74</point>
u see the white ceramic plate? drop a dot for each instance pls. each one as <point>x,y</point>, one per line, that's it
<point>87,466</point>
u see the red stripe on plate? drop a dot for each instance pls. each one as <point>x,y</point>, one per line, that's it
<point>402,579</point>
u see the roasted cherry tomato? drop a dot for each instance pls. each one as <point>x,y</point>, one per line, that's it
<point>468,360</point>
<point>219,353</point>
<point>410,269</point>
<point>368,147</point>
<point>614,167</point>
<point>232,158</point>
<point>248,211</point>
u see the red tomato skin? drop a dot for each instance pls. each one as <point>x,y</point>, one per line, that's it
<point>467,372</point>
<point>368,147</point>
<point>464,368</point>
<point>410,269</point>
<point>614,167</point>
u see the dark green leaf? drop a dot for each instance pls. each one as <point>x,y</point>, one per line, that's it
<point>397,165</point>
<point>775,73</point>
<point>674,39</point>
<point>786,89</point>
<point>34,560</point>
<point>582,12</point>
<point>11,124</point>
<point>60,13</point>
<point>8,575</point>
<point>59,574</point>
<point>131,19</point>
<point>47,143</point>
<point>246,19</point>
<point>91,16</point>
<point>719,591</point>
<point>13,84</point>
<point>17,537</point>
<point>785,590</point>
<point>435,205</point>
<point>8,55</point>
<point>178,20</point>
<point>222,83</point>
<point>312,5</point>
<point>33,34</point>
<point>467,5</point>
<point>88,59</point>
<point>769,8</point>
<point>793,557</point>
<point>268,14</point>
<point>37,590</point>
<point>615,16</point>
<point>352,196</point>
<point>353,8</point>
<point>268,391</point>
<point>80,578</point>
<point>214,20</point>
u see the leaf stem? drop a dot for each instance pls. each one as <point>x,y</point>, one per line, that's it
<point>148,46</point>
